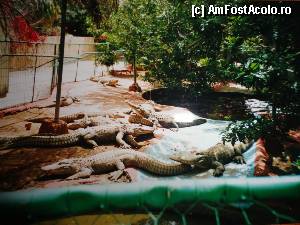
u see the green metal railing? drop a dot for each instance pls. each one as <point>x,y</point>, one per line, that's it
<point>154,199</point>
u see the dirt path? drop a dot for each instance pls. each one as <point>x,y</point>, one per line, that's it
<point>20,168</point>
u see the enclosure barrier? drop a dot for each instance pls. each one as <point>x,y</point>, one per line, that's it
<point>156,198</point>
<point>29,73</point>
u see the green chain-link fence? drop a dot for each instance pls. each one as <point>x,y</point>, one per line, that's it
<point>207,201</point>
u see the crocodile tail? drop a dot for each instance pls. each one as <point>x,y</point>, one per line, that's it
<point>96,114</point>
<point>71,118</point>
<point>135,108</point>
<point>6,142</point>
<point>131,104</point>
<point>195,122</point>
<point>6,145</point>
<point>37,120</point>
<point>67,119</point>
<point>243,147</point>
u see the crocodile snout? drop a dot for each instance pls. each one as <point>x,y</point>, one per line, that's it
<point>141,131</point>
<point>188,158</point>
<point>59,168</point>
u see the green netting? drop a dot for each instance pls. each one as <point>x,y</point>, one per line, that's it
<point>154,200</point>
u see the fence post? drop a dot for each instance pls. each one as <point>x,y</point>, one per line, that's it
<point>34,74</point>
<point>54,70</point>
<point>95,59</point>
<point>4,69</point>
<point>77,62</point>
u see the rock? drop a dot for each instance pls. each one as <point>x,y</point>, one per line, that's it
<point>262,160</point>
<point>28,126</point>
<point>50,126</point>
<point>135,87</point>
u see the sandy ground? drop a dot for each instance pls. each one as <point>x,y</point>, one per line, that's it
<point>20,168</point>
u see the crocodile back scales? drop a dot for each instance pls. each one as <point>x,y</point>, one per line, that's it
<point>106,162</point>
<point>103,162</point>
<point>225,153</point>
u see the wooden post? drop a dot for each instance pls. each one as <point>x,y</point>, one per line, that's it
<point>54,70</point>
<point>61,57</point>
<point>4,68</point>
<point>135,86</point>
<point>78,52</point>
<point>34,74</point>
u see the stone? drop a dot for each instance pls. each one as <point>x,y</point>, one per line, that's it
<point>50,126</point>
<point>135,87</point>
<point>28,126</point>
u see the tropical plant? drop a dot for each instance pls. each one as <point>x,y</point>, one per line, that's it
<point>265,53</point>
<point>106,54</point>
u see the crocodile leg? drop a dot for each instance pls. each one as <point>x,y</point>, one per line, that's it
<point>101,82</point>
<point>84,123</point>
<point>120,141</point>
<point>92,143</point>
<point>130,140</point>
<point>239,159</point>
<point>88,140</point>
<point>156,124</point>
<point>219,168</point>
<point>176,127</point>
<point>116,175</point>
<point>83,173</point>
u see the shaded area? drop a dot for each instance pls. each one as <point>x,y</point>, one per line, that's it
<point>215,105</point>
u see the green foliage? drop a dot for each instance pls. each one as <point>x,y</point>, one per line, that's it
<point>251,129</point>
<point>76,20</point>
<point>106,54</point>
<point>180,51</point>
<point>173,46</point>
<point>128,28</point>
<point>297,164</point>
<point>99,11</point>
<point>266,63</point>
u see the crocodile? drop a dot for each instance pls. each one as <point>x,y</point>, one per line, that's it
<point>80,115</point>
<point>74,168</point>
<point>64,101</point>
<point>105,82</point>
<point>214,157</point>
<point>150,106</point>
<point>104,162</point>
<point>138,119</point>
<point>91,122</point>
<point>122,134</point>
<point>162,119</point>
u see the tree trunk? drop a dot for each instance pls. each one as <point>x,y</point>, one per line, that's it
<point>134,69</point>
<point>274,114</point>
<point>61,57</point>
